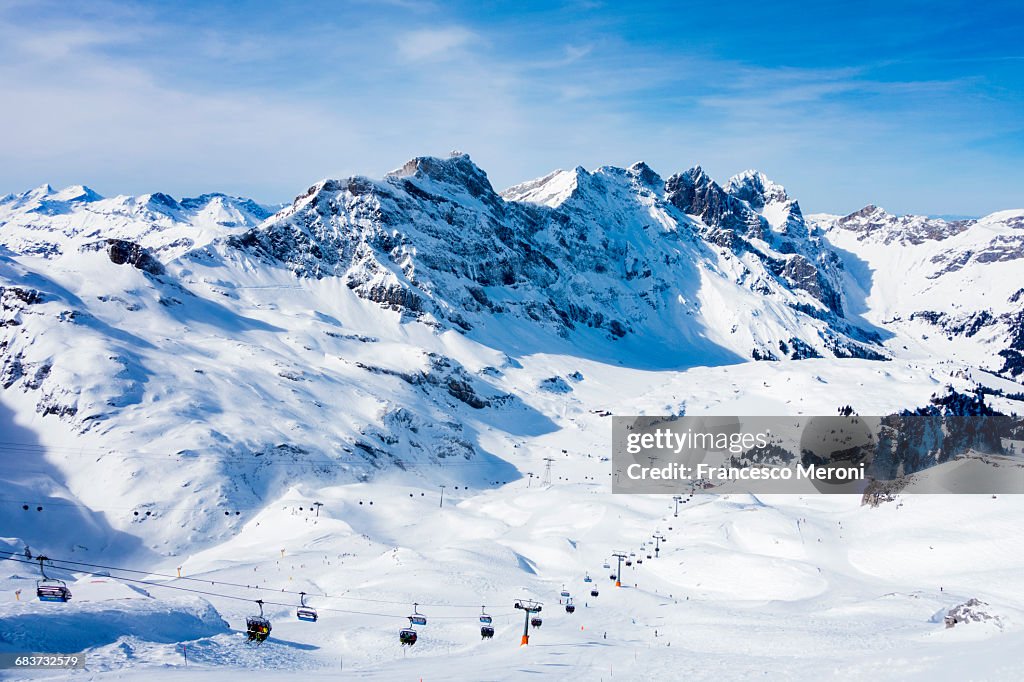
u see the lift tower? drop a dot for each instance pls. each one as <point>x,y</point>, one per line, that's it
<point>658,539</point>
<point>528,606</point>
<point>547,470</point>
<point>618,572</point>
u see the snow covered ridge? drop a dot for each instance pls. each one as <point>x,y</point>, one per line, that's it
<point>45,221</point>
<point>206,349</point>
<point>616,251</point>
<point>953,287</point>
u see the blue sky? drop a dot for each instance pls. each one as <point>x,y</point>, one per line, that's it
<point>918,107</point>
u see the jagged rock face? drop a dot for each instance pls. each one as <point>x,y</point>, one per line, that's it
<point>756,189</point>
<point>876,222</point>
<point>605,250</point>
<point>122,251</point>
<point>694,193</point>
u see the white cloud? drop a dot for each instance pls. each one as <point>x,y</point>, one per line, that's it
<point>434,43</point>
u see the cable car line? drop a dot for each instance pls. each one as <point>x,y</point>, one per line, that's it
<point>16,556</point>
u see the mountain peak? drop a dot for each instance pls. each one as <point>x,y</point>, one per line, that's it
<point>755,188</point>
<point>75,193</point>
<point>457,170</point>
<point>551,190</point>
<point>645,174</point>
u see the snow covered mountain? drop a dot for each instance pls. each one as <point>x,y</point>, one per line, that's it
<point>949,289</point>
<point>383,324</point>
<point>181,379</point>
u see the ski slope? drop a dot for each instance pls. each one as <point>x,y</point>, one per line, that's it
<point>743,587</point>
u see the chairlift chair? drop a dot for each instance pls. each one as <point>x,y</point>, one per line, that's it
<point>536,621</point>
<point>486,632</point>
<point>593,593</point>
<point>484,618</point>
<point>305,613</point>
<point>407,636</point>
<point>257,627</point>
<point>417,618</point>
<point>570,607</point>
<point>51,589</point>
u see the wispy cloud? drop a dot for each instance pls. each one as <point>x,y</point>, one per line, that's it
<point>142,97</point>
<point>434,43</point>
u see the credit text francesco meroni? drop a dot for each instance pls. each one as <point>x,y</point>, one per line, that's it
<point>713,473</point>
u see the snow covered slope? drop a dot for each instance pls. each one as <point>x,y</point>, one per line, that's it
<point>947,289</point>
<point>182,380</point>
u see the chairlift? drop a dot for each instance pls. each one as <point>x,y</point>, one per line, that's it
<point>564,594</point>
<point>570,607</point>
<point>486,632</point>
<point>628,562</point>
<point>607,565</point>
<point>484,618</point>
<point>306,613</point>
<point>648,556</point>
<point>257,627</point>
<point>639,561</point>
<point>593,593</point>
<point>536,621</point>
<point>417,618</point>
<point>51,589</point>
<point>612,576</point>
<point>587,578</point>
<point>407,636</point>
